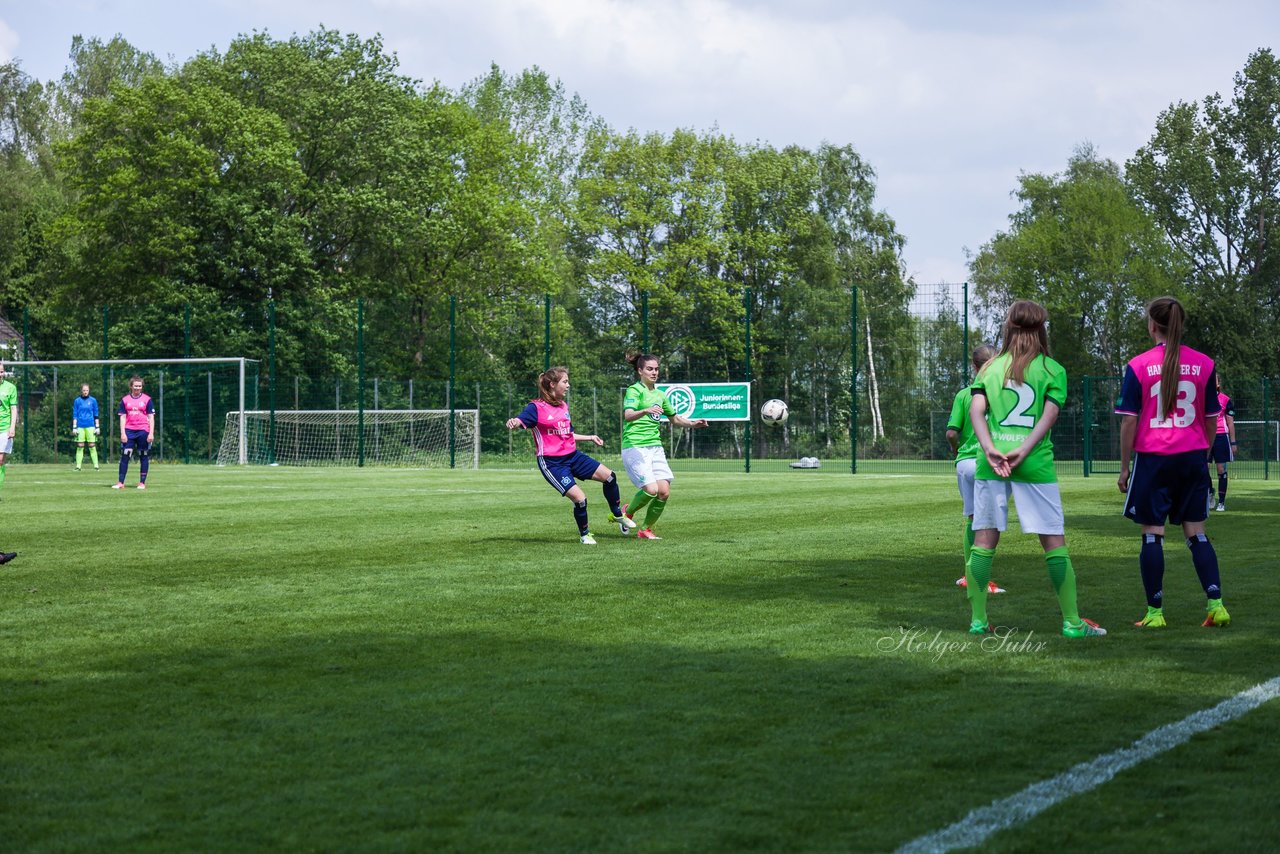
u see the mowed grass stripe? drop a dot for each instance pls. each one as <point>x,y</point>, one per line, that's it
<point>369,659</point>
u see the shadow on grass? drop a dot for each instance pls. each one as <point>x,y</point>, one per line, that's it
<point>467,740</point>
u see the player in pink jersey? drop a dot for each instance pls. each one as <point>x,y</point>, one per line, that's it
<point>1167,427</point>
<point>1224,443</point>
<point>137,431</point>
<point>559,459</point>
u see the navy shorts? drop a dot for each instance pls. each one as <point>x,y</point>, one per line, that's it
<point>137,440</point>
<point>1222,448</point>
<point>561,471</point>
<point>1173,486</point>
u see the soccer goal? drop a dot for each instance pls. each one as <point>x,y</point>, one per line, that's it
<point>340,437</point>
<point>1259,439</point>
<point>191,397</point>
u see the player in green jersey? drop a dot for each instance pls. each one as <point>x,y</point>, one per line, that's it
<point>642,453</point>
<point>964,444</point>
<point>8,429</point>
<point>1016,400</point>
<point>8,419</point>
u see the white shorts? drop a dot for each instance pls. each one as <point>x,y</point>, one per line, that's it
<point>646,465</point>
<point>1039,506</point>
<point>965,470</point>
<point>6,444</point>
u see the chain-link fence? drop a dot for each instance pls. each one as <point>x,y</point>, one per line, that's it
<point>1256,426</point>
<point>869,380</point>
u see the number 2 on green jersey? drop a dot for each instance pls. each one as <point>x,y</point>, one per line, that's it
<point>1018,416</point>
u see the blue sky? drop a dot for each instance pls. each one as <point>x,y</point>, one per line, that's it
<point>949,101</point>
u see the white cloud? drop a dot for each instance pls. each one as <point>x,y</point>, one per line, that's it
<point>947,101</point>
<point>8,42</point>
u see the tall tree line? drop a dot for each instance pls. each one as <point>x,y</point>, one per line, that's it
<point>312,170</point>
<point>1191,214</point>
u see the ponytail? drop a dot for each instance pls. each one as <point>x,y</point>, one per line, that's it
<point>982,354</point>
<point>547,381</point>
<point>1170,319</point>
<point>1025,337</point>
<point>638,359</point>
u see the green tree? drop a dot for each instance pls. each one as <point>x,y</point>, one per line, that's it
<point>648,221</point>
<point>25,121</point>
<point>546,129</point>
<point>348,116</point>
<point>1210,176</point>
<point>182,197</point>
<point>471,229</point>
<point>29,200</point>
<point>550,125</point>
<point>346,111</point>
<point>1081,247</point>
<point>406,196</point>
<point>95,68</point>
<point>868,251</point>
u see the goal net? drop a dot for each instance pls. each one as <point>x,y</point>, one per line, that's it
<point>1258,440</point>
<point>191,397</point>
<point>337,437</point>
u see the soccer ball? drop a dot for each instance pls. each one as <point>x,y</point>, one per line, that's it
<point>773,411</point>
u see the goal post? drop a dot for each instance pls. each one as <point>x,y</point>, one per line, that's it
<point>1259,439</point>
<point>411,438</point>
<point>191,398</point>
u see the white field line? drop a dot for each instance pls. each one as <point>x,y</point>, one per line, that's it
<point>975,828</point>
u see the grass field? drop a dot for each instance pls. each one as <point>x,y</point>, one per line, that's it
<point>424,660</point>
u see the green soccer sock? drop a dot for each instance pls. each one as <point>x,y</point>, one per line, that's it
<point>655,510</point>
<point>1063,577</point>
<point>79,455</point>
<point>93,455</point>
<point>968,541</point>
<point>640,500</point>
<point>979,573</point>
<point>2,468</point>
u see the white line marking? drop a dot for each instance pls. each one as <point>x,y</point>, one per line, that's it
<point>975,828</point>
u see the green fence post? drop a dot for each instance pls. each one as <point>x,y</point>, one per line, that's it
<point>26,384</point>
<point>453,369</point>
<point>109,411</point>
<point>546,332</point>
<point>1086,425</point>
<point>186,383</point>
<point>1266,423</point>
<point>271,379</point>
<point>746,301</point>
<point>964,353</point>
<point>853,380</point>
<point>360,381</point>
<point>644,321</point>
